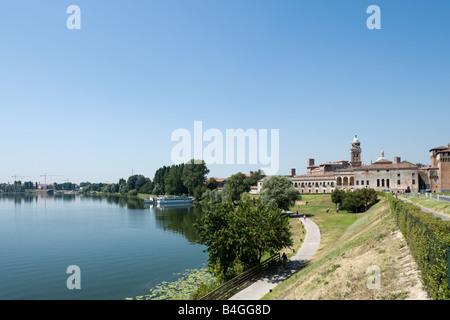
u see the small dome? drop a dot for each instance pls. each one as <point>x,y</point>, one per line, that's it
<point>355,140</point>
<point>382,158</point>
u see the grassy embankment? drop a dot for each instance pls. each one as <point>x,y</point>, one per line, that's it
<point>350,244</point>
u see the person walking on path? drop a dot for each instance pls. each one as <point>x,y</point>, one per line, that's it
<point>284,259</point>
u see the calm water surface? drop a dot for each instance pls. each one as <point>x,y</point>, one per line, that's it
<point>123,248</point>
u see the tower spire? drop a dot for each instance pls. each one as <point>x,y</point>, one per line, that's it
<point>355,153</point>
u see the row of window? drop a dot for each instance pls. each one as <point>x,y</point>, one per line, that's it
<point>317,191</point>
<point>380,183</point>
<point>317,184</point>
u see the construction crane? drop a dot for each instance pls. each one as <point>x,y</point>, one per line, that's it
<point>45,175</point>
<point>17,176</point>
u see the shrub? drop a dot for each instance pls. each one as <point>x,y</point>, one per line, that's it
<point>428,238</point>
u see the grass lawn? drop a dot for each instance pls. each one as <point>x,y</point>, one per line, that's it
<point>332,225</point>
<point>432,204</point>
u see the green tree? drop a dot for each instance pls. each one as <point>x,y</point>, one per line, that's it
<point>337,196</point>
<point>194,175</point>
<point>237,237</point>
<point>132,192</point>
<point>157,189</point>
<point>353,202</point>
<point>173,181</point>
<point>159,178</point>
<point>123,189</point>
<point>131,182</point>
<point>212,183</point>
<point>235,186</point>
<point>198,192</point>
<point>255,177</point>
<point>277,191</point>
<point>147,188</point>
<point>369,197</point>
<point>140,182</point>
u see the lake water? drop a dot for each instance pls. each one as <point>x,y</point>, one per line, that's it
<point>121,247</point>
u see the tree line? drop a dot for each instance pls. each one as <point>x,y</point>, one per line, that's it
<point>18,186</point>
<point>183,179</point>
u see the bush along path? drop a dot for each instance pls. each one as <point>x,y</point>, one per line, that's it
<point>309,247</point>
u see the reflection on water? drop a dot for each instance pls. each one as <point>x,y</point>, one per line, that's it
<point>123,246</point>
<point>179,220</point>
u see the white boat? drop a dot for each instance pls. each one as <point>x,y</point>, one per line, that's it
<point>179,200</point>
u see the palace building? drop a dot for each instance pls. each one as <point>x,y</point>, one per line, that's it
<point>382,175</point>
<point>436,177</point>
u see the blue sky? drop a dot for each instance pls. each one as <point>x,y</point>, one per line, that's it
<point>96,103</point>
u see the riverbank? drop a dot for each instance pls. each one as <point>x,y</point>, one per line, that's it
<point>355,249</point>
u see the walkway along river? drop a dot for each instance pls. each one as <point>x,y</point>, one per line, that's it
<point>309,247</point>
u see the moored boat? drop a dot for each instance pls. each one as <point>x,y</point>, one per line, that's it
<point>177,200</point>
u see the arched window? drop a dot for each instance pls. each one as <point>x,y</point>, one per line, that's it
<point>345,181</point>
<point>339,181</point>
<point>378,182</point>
<point>382,182</point>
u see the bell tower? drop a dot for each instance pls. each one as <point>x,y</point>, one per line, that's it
<point>355,153</point>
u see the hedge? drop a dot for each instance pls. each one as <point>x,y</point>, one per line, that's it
<point>428,237</point>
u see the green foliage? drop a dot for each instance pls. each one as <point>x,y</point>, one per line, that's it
<point>337,196</point>
<point>357,201</point>
<point>198,192</point>
<point>237,237</point>
<point>194,175</point>
<point>192,284</point>
<point>173,181</point>
<point>278,192</point>
<point>428,238</point>
<point>132,192</point>
<point>254,177</point>
<point>353,202</point>
<point>212,183</point>
<point>235,186</point>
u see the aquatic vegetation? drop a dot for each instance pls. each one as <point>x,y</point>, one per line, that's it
<point>181,289</point>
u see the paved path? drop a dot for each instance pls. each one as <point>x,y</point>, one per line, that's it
<point>309,247</point>
<point>436,214</point>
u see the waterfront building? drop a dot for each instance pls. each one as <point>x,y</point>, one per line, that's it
<point>381,175</point>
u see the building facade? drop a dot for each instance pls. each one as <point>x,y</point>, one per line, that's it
<point>382,175</point>
<point>436,177</point>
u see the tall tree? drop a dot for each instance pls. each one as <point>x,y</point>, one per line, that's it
<point>194,175</point>
<point>173,182</point>
<point>239,236</point>
<point>278,191</point>
<point>337,196</point>
<point>131,182</point>
<point>235,186</point>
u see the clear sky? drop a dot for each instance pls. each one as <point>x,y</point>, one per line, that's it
<point>99,103</point>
